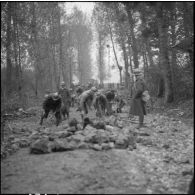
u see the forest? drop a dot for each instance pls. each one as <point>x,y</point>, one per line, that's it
<point>82,61</point>
<point>42,45</point>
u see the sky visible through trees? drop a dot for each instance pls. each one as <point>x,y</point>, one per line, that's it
<point>87,8</point>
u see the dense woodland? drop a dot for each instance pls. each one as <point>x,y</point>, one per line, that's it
<point>41,45</point>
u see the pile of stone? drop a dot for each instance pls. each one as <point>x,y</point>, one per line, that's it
<point>112,135</point>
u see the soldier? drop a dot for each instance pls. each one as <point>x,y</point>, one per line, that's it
<point>100,104</point>
<point>52,102</point>
<point>110,95</point>
<point>138,105</point>
<point>86,99</point>
<point>120,103</point>
<point>66,98</point>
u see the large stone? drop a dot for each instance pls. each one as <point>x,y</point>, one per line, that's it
<point>62,145</point>
<point>96,147</point>
<point>80,132</point>
<point>89,128</point>
<point>34,136</point>
<point>106,146</point>
<point>24,143</point>
<point>113,137</point>
<point>122,142</point>
<point>103,136</point>
<point>72,145</point>
<point>91,137</point>
<point>63,134</point>
<point>83,145</point>
<point>99,125</point>
<point>41,146</point>
<point>111,144</point>
<point>58,146</point>
<point>78,138</point>
<point>109,128</point>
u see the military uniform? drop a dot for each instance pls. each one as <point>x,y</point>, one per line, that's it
<point>138,107</point>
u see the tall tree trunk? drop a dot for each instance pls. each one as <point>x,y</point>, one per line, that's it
<point>17,53</point>
<point>131,67</point>
<point>100,59</point>
<point>123,33</point>
<point>146,40</point>
<point>79,63</point>
<point>164,60</point>
<point>8,52</point>
<point>53,51</point>
<point>134,43</point>
<point>173,51</point>
<point>148,49</point>
<point>62,67</point>
<point>126,66</point>
<point>36,48</point>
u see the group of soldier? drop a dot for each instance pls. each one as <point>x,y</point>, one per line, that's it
<point>84,98</point>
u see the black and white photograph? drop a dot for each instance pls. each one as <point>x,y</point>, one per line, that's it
<point>97,97</point>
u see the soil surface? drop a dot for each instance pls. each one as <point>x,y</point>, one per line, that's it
<point>162,163</point>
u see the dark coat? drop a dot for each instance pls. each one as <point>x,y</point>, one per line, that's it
<point>138,105</point>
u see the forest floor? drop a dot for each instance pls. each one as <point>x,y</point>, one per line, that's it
<point>161,163</point>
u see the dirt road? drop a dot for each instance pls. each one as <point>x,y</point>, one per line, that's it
<point>162,163</point>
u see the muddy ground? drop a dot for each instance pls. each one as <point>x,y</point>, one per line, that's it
<point>162,163</point>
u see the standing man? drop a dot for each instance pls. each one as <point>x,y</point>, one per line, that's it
<point>66,97</point>
<point>138,105</point>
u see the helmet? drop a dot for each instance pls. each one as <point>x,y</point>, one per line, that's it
<point>62,83</point>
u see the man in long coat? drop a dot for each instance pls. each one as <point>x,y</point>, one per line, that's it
<point>138,105</point>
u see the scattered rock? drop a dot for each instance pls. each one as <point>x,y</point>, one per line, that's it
<point>24,143</point>
<point>122,142</point>
<point>96,147</point>
<point>78,138</point>
<point>58,146</point>
<point>34,136</point>
<point>62,145</point>
<point>166,146</point>
<point>111,144</point>
<point>83,145</point>
<point>72,145</point>
<point>143,134</point>
<point>63,134</point>
<point>99,125</point>
<point>105,146</point>
<point>40,146</point>
<point>72,129</point>
<point>109,128</point>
